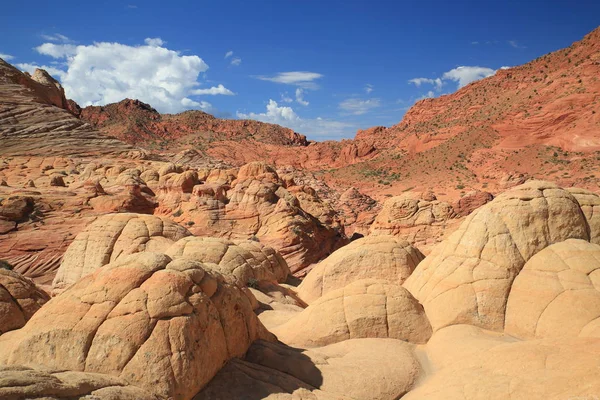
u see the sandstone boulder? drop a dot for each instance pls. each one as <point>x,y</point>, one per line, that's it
<point>26,383</point>
<point>276,304</point>
<point>111,237</point>
<point>471,201</point>
<point>467,278</point>
<point>254,204</point>
<point>557,293</point>
<point>590,206</point>
<point>57,180</point>
<point>377,257</point>
<point>418,218</point>
<point>242,260</point>
<point>19,300</point>
<point>164,326</point>
<point>364,309</point>
<point>366,369</point>
<point>16,208</point>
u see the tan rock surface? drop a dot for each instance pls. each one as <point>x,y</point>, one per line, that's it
<point>19,300</point>
<point>418,218</point>
<point>242,260</point>
<point>367,308</point>
<point>165,326</point>
<point>26,383</point>
<point>557,294</point>
<point>590,205</point>
<point>111,237</point>
<point>277,304</point>
<point>470,364</point>
<point>466,279</point>
<point>255,204</point>
<point>366,369</point>
<point>376,257</point>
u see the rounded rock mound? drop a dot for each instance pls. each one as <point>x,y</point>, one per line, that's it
<point>467,278</point>
<point>377,257</point>
<point>367,308</point>
<point>557,293</point>
<point>113,236</point>
<point>164,326</point>
<point>241,260</point>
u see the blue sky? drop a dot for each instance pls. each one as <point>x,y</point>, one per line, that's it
<point>324,68</point>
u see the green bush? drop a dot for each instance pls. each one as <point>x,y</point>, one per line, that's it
<point>6,265</point>
<point>253,283</point>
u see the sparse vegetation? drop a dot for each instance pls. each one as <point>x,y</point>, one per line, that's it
<point>6,265</point>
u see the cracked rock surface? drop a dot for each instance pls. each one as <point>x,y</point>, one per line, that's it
<point>376,257</point>
<point>113,236</point>
<point>163,325</point>
<point>557,293</point>
<point>467,278</point>
<point>367,308</point>
<point>240,260</point>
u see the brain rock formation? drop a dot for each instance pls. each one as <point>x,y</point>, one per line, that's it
<point>467,278</point>
<point>111,237</point>
<point>557,293</point>
<point>164,326</point>
<point>367,308</point>
<point>377,257</point>
<point>242,260</point>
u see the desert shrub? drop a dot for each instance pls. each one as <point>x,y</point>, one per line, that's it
<point>6,265</point>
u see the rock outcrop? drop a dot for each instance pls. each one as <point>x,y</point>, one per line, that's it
<point>467,278</point>
<point>164,326</point>
<point>111,237</point>
<point>557,294</point>
<point>367,308</point>
<point>418,218</point>
<point>252,204</point>
<point>28,383</point>
<point>376,257</point>
<point>242,261</point>
<point>34,120</point>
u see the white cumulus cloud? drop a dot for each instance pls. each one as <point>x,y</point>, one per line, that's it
<point>465,75</point>
<point>359,106</point>
<point>300,97</point>
<point>228,54</point>
<point>286,116</point>
<point>6,57</point>
<point>104,72</point>
<point>437,82</point>
<point>219,89</point>
<point>368,88</point>
<point>236,61</point>
<point>462,75</point>
<point>157,42</point>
